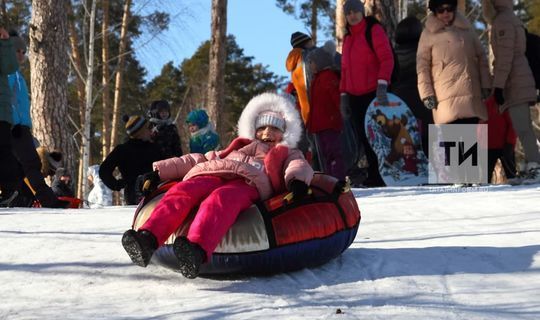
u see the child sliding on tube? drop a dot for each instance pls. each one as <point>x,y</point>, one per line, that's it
<point>261,162</point>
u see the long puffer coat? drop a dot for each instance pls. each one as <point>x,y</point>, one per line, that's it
<point>453,67</point>
<point>511,70</point>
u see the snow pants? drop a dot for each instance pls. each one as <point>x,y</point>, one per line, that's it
<point>220,202</point>
<point>330,153</point>
<point>522,123</point>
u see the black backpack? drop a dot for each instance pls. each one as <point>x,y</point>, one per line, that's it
<point>533,55</point>
<point>371,21</point>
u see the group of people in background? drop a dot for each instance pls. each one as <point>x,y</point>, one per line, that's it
<point>443,76</point>
<point>150,140</point>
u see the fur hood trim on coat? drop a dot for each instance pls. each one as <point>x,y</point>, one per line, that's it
<point>435,25</point>
<point>275,103</point>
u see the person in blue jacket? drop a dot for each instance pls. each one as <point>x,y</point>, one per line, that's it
<point>23,142</point>
<point>8,163</point>
<point>203,136</point>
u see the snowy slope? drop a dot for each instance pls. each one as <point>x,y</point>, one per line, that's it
<point>420,253</point>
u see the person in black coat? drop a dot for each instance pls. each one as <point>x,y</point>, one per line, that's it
<point>407,36</point>
<point>132,158</point>
<point>164,131</point>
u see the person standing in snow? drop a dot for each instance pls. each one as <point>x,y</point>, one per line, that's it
<point>132,158</point>
<point>407,36</point>
<point>203,136</point>
<point>513,81</point>
<point>365,75</point>
<point>164,131</point>
<point>325,122</point>
<point>100,195</point>
<point>24,148</point>
<point>9,182</point>
<point>452,67</point>
<point>261,162</point>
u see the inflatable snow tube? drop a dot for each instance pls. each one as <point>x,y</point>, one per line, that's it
<point>273,236</point>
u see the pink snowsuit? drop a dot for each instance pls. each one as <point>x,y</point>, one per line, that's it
<point>222,184</point>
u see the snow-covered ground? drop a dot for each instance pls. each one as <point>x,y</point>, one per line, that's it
<point>420,253</point>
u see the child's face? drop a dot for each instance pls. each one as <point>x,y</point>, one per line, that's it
<point>193,127</point>
<point>269,135</point>
<point>163,114</point>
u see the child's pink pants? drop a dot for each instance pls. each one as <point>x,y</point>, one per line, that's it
<point>220,203</point>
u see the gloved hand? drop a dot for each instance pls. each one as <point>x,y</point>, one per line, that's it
<point>382,96</point>
<point>148,182</point>
<point>430,102</point>
<point>485,93</point>
<point>340,187</point>
<point>499,97</point>
<point>299,189</point>
<point>16,132</point>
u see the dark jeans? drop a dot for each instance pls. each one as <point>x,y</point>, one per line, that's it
<point>9,167</point>
<point>26,154</point>
<point>359,105</point>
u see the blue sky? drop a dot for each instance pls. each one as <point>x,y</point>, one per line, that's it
<point>260,28</point>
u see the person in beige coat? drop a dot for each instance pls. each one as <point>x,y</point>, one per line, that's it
<point>452,67</point>
<point>513,82</point>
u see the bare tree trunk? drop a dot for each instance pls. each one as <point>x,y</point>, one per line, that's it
<point>89,103</point>
<point>385,11</point>
<point>216,73</point>
<point>77,64</point>
<point>341,25</point>
<point>76,60</point>
<point>119,75</point>
<point>314,21</point>
<point>49,76</point>
<point>106,94</point>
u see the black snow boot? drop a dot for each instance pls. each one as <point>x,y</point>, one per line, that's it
<point>139,245</point>
<point>190,256</point>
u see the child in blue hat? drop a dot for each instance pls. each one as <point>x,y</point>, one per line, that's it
<point>203,136</point>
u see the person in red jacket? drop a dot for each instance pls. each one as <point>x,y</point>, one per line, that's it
<point>325,122</point>
<point>365,75</point>
<point>501,140</point>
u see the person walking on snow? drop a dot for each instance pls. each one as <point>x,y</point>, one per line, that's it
<point>261,162</point>
<point>513,81</point>
<point>365,75</point>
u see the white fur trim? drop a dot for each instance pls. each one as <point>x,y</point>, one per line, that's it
<point>271,102</point>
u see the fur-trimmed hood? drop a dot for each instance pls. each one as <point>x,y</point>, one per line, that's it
<point>271,102</point>
<point>435,25</point>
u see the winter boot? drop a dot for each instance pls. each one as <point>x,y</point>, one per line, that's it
<point>140,246</point>
<point>533,173</point>
<point>190,256</point>
<point>7,197</point>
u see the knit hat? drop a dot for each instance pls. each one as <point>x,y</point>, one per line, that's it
<point>321,58</point>
<point>434,4</point>
<point>134,124</point>
<point>198,117</point>
<point>270,118</point>
<point>298,39</point>
<point>353,5</point>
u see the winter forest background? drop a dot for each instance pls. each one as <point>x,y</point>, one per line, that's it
<point>84,74</point>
